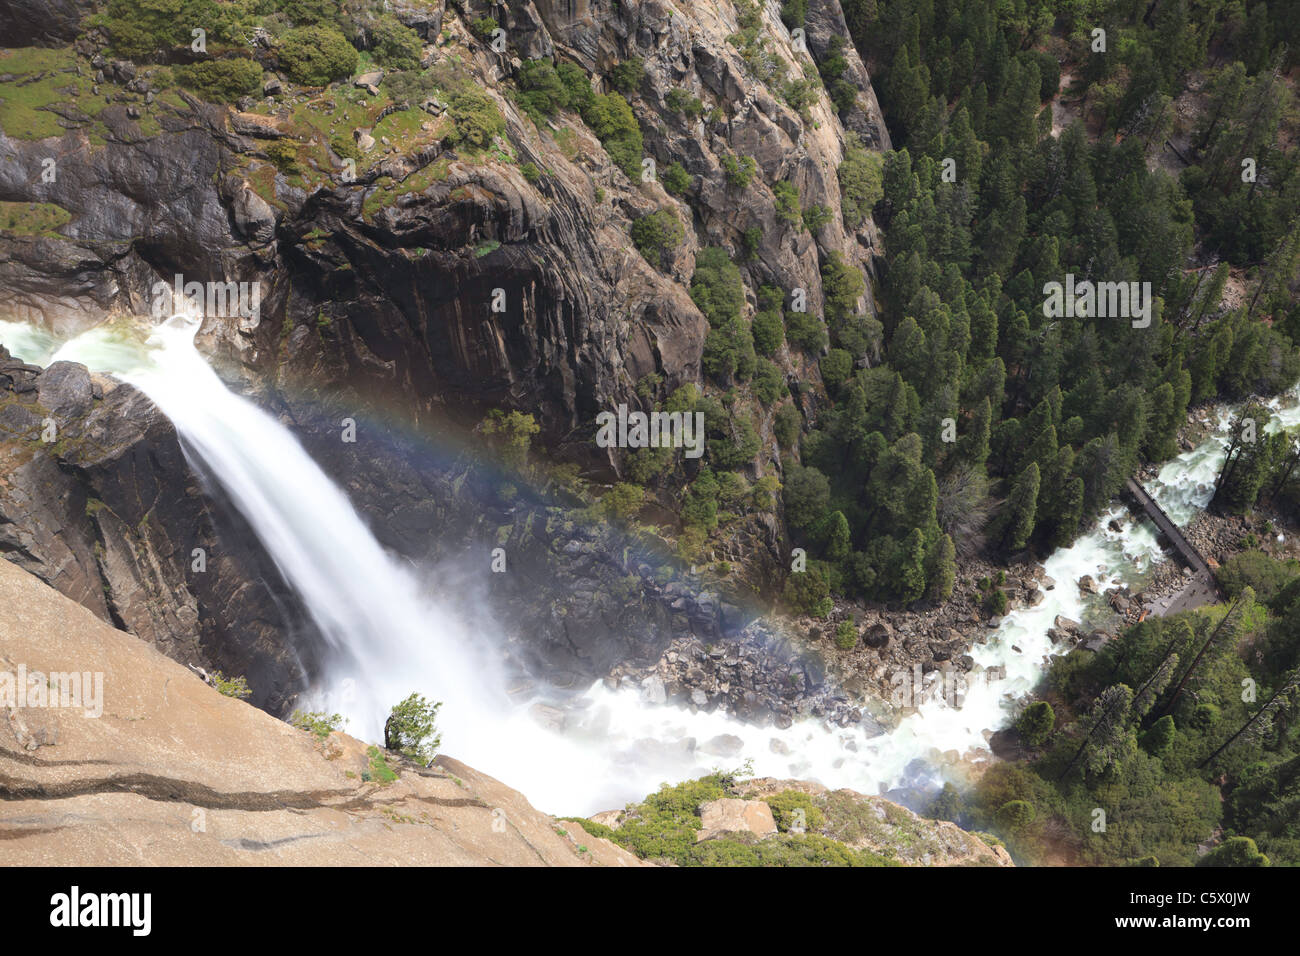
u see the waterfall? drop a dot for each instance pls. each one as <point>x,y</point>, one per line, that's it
<point>388,634</point>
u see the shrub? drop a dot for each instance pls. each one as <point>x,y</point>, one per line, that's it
<point>787,204</point>
<point>316,722</point>
<point>477,118</point>
<point>615,125</point>
<point>815,217</point>
<point>306,12</point>
<point>1014,815</point>
<point>1257,570</point>
<point>700,507</point>
<point>800,94</point>
<point>729,350</point>
<point>861,178</point>
<point>805,331</point>
<point>626,76</point>
<point>786,807</point>
<point>807,493</point>
<point>344,146</point>
<point>995,602</point>
<point>395,45</point>
<point>411,729</point>
<point>679,101</point>
<point>716,286</point>
<point>511,435</point>
<point>236,687</point>
<point>808,593</point>
<point>1159,740</point>
<point>284,153</point>
<point>221,81</point>
<point>530,172</point>
<point>739,172</point>
<point>315,56</point>
<point>1235,851</point>
<point>947,804</point>
<point>786,426</point>
<point>484,27</point>
<point>656,233</point>
<point>675,179</point>
<point>622,501</point>
<point>769,331</point>
<point>846,636</point>
<point>539,89</point>
<point>768,384</point>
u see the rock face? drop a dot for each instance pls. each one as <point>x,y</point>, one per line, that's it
<point>172,773</point>
<point>97,499</point>
<point>384,307</point>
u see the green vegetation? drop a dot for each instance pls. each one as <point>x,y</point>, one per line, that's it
<point>236,687</point>
<point>861,177</point>
<point>221,81</point>
<point>665,825</point>
<point>315,56</point>
<point>510,434</point>
<point>846,636</point>
<point>739,172</point>
<point>411,729</point>
<point>476,115</point>
<point>657,233</point>
<point>717,289</point>
<point>379,772</point>
<point>675,179</point>
<point>679,101</point>
<point>37,219</point>
<point>981,207</point>
<point>623,501</point>
<point>1184,725</point>
<point>316,722</point>
<point>614,124</point>
<point>393,45</point>
<point>787,204</point>
<point>626,76</point>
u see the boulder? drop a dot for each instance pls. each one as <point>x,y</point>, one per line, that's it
<point>1087,585</point>
<point>719,817</point>
<point>64,390</point>
<point>877,635</point>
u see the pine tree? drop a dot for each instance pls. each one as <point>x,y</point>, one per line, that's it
<point>1020,509</point>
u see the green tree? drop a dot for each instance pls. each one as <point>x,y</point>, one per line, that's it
<point>1021,509</point>
<point>1036,723</point>
<point>411,729</point>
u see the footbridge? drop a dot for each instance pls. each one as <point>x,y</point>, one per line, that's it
<point>1203,587</point>
<point>1173,534</point>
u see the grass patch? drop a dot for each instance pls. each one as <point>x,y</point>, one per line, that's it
<point>33,218</point>
<point>379,771</point>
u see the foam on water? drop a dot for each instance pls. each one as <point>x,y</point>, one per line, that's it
<point>388,633</point>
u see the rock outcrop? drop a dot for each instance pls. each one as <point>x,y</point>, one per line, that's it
<point>873,823</point>
<point>171,773</point>
<point>98,500</point>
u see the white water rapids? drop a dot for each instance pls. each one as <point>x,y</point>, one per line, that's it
<point>389,634</point>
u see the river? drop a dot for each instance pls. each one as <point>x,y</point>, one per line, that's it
<point>389,634</point>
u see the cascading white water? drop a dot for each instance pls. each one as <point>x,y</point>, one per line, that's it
<point>389,634</point>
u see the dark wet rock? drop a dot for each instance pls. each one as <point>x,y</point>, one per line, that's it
<point>65,391</point>
<point>110,515</point>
